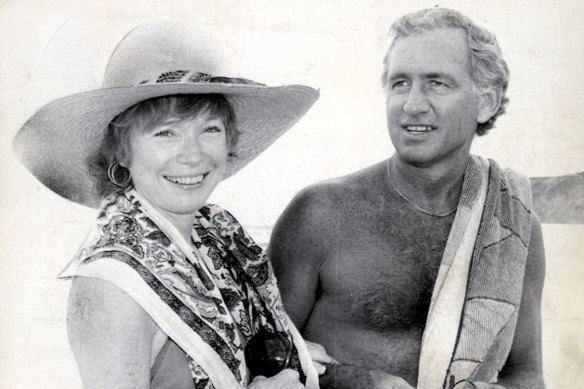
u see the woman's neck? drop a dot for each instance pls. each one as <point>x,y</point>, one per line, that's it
<point>182,223</point>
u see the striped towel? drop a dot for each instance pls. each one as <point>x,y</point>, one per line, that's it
<point>475,303</point>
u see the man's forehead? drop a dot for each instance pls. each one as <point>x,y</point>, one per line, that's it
<point>441,49</point>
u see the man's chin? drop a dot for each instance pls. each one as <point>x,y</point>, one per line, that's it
<point>418,157</point>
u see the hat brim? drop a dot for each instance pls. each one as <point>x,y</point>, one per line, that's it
<point>56,141</point>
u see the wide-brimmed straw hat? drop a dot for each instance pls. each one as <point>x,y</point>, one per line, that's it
<point>152,60</point>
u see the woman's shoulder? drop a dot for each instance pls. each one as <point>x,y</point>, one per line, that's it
<point>109,332</point>
<point>97,306</point>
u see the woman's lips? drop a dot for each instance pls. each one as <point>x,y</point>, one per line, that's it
<point>190,180</point>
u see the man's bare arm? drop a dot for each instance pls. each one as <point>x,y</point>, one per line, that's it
<point>523,368</point>
<point>296,252</point>
<point>355,377</point>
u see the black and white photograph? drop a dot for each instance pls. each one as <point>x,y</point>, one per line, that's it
<point>292,194</point>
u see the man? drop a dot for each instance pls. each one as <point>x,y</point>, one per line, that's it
<point>425,270</point>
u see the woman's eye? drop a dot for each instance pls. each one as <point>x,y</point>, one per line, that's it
<point>163,133</point>
<point>213,129</point>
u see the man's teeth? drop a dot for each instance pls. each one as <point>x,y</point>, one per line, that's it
<point>185,180</point>
<point>419,128</point>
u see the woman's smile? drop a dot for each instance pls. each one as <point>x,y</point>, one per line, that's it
<point>186,181</point>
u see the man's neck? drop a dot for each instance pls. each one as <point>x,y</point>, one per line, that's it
<point>434,189</point>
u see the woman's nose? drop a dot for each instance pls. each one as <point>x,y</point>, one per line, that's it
<point>416,102</point>
<point>190,151</point>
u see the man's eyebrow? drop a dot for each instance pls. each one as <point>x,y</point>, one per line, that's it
<point>439,75</point>
<point>403,74</point>
<point>394,75</point>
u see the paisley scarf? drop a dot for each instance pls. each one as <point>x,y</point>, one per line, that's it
<point>209,300</point>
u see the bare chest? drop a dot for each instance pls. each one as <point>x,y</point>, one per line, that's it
<point>375,289</point>
<point>382,272</point>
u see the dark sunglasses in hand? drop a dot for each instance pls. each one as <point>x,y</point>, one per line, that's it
<point>267,353</point>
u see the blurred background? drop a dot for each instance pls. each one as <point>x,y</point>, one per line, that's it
<point>55,48</point>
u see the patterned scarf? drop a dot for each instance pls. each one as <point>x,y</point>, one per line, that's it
<point>224,291</point>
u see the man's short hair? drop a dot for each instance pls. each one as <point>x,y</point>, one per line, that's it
<point>488,69</point>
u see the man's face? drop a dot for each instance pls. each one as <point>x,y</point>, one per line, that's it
<point>432,110</point>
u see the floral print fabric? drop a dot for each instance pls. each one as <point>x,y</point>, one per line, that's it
<point>224,289</point>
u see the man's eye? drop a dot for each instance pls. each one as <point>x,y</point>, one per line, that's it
<point>438,84</point>
<point>400,84</point>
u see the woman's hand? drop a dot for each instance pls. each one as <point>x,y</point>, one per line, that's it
<point>286,379</point>
<point>319,357</point>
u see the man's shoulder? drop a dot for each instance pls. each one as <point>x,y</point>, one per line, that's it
<point>324,201</point>
<point>344,187</point>
<point>508,173</point>
<point>514,183</point>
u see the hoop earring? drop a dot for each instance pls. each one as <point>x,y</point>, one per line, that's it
<point>111,173</point>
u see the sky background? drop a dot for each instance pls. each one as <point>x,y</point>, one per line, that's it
<point>55,48</point>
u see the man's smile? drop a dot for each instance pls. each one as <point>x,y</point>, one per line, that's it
<point>419,129</point>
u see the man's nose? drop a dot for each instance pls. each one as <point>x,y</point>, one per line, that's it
<point>416,102</point>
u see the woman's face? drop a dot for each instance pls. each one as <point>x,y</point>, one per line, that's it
<point>176,165</point>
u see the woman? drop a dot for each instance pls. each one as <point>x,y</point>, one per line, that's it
<point>167,291</point>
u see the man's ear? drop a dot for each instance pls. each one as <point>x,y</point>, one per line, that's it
<point>489,103</point>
